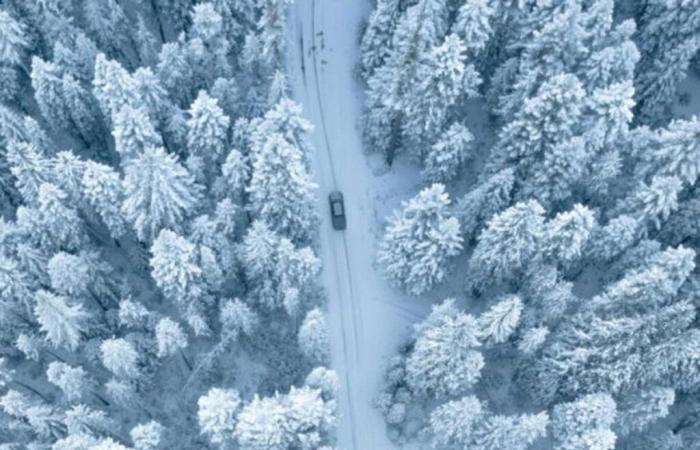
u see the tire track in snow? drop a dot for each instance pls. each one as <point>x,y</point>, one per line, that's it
<point>353,305</point>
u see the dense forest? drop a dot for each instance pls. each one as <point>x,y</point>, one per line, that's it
<point>160,232</point>
<point>158,266</point>
<point>570,228</point>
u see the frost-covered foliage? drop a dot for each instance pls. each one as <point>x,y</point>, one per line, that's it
<point>557,128</point>
<point>158,231</point>
<point>420,240</point>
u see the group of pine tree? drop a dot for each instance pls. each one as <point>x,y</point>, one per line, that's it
<point>578,328</point>
<point>157,262</point>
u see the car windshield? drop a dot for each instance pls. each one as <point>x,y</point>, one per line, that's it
<point>337,208</point>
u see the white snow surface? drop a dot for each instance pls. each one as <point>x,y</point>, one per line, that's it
<point>368,318</point>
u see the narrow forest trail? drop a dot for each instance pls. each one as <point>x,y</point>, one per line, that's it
<point>367,318</point>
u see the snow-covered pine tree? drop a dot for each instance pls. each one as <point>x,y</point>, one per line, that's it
<point>481,203</point>
<point>159,193</point>
<point>62,321</point>
<point>133,133</point>
<point>175,267</point>
<point>567,234</point>
<point>148,436</point>
<point>467,423</point>
<point>74,382</point>
<point>300,419</point>
<point>441,82</point>
<point>207,130</point>
<point>585,423</point>
<point>217,413</point>
<point>13,40</point>
<point>102,189</point>
<point>420,28</point>
<point>443,159</point>
<point>498,323</point>
<point>121,358</point>
<point>278,272</point>
<point>281,191</point>
<point>510,242</point>
<point>170,337</point>
<point>445,360</point>
<point>638,411</point>
<point>113,87</point>
<point>29,168</point>
<point>48,93</point>
<point>668,38</point>
<point>109,25</point>
<point>375,47</point>
<point>313,337</point>
<point>272,28</point>
<point>420,240</point>
<point>632,325</point>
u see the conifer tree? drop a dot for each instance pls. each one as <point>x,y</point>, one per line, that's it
<point>604,346</point>
<point>673,151</point>
<point>281,190</point>
<point>175,267</point>
<point>29,168</point>
<point>207,128</point>
<point>83,110</point>
<point>120,357</point>
<point>159,192</point>
<point>453,423</point>
<point>300,419</point>
<point>567,233</point>
<point>441,81</point>
<point>482,202</point>
<point>313,337</point>
<point>271,28</point>
<point>146,44</point>
<point>499,323</point>
<point>473,24</point>
<point>278,271</point>
<point>657,86</point>
<point>509,242</point>
<point>653,203</point>
<point>217,414</point>
<point>420,240</point>
<point>668,38</point>
<point>445,360</point>
<point>103,191</point>
<point>445,157</point>
<point>170,337</point>
<point>420,28</point>
<point>585,423</point>
<point>52,225</point>
<point>113,86</point>
<point>133,133</point>
<point>48,93</point>
<point>148,436</point>
<point>73,381</point>
<point>108,23</point>
<point>62,322</point>
<point>637,411</point>
<point>513,432</point>
<point>375,47</point>
<point>13,40</point>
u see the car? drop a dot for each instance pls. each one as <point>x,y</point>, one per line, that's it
<point>335,199</point>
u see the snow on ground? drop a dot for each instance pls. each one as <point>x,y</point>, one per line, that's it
<point>368,318</point>
<point>688,97</point>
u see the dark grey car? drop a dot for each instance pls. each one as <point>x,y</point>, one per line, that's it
<point>335,199</point>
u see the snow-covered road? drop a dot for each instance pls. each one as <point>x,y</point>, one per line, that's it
<point>368,318</point>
